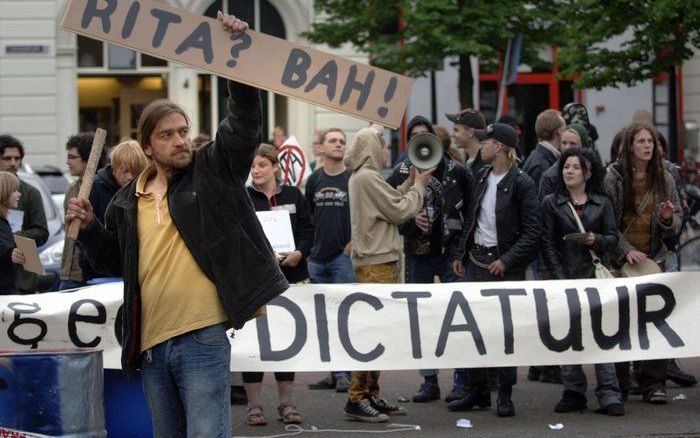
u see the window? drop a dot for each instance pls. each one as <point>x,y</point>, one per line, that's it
<point>97,57</point>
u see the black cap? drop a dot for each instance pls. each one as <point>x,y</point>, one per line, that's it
<point>500,132</point>
<point>469,118</point>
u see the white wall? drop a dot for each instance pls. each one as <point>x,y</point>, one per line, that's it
<point>29,90</point>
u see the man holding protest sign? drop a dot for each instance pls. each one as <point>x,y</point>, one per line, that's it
<point>190,246</point>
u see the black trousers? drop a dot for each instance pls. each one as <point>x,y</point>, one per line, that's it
<point>479,377</point>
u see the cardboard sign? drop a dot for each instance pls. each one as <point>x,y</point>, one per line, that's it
<point>278,229</point>
<point>31,256</point>
<point>252,58</point>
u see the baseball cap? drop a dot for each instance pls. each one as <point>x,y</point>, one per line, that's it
<point>468,117</point>
<point>499,132</point>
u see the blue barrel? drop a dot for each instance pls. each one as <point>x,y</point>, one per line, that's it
<point>55,393</point>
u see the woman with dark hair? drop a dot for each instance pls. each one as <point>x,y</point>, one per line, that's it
<point>571,253</point>
<point>267,193</point>
<point>647,210</point>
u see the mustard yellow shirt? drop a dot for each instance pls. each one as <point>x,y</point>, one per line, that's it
<point>176,296</point>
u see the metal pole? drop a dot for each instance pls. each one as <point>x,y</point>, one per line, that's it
<point>504,76</point>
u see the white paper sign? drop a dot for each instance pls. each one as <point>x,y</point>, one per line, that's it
<point>278,229</point>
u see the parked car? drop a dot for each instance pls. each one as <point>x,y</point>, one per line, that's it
<point>57,183</point>
<point>51,251</point>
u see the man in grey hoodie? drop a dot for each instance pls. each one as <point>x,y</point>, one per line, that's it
<point>376,210</point>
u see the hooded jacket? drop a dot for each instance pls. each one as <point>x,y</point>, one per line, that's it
<point>376,208</point>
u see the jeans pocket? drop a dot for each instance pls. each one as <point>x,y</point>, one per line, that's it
<point>214,335</point>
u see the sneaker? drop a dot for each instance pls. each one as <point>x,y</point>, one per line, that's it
<point>428,392</point>
<point>383,407</point>
<point>325,383</point>
<point>363,411</point>
<point>675,374</point>
<point>571,401</point>
<point>613,410</point>
<point>342,384</point>
<point>470,401</point>
<point>656,397</point>
<point>504,406</point>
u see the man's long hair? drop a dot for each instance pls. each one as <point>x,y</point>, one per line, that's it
<point>152,114</point>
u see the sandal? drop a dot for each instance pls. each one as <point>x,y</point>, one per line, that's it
<point>288,414</point>
<point>255,417</point>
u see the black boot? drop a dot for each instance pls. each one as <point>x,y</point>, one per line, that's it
<point>571,401</point>
<point>504,403</point>
<point>533,373</point>
<point>480,399</point>
<point>675,374</point>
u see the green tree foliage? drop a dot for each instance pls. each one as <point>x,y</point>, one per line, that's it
<point>657,35</point>
<point>415,36</point>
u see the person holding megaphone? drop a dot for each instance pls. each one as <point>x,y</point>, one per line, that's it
<point>431,237</point>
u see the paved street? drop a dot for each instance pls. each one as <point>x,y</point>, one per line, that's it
<point>534,404</point>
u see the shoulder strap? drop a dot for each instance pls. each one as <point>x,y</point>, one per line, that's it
<point>595,258</point>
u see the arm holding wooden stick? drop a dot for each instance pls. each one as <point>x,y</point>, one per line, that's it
<point>86,186</point>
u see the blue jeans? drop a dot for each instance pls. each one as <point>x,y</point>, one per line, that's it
<point>423,269</point>
<point>338,270</point>
<point>187,381</point>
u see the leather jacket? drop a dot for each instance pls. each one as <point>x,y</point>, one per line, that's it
<point>517,218</point>
<point>571,259</point>
<point>210,207</point>
<point>457,182</point>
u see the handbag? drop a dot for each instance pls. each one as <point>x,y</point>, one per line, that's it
<point>600,270</point>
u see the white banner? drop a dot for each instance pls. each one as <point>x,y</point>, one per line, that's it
<point>407,326</point>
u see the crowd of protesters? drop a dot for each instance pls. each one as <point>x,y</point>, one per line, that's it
<point>482,214</point>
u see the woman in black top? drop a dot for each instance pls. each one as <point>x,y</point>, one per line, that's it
<point>9,255</point>
<point>268,194</point>
<point>579,193</point>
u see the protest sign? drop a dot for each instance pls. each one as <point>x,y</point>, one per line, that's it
<point>252,58</point>
<point>316,327</point>
<point>292,161</point>
<point>277,226</point>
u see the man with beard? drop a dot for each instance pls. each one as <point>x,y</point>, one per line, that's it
<point>186,239</point>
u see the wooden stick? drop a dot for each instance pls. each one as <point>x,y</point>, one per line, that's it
<point>85,187</point>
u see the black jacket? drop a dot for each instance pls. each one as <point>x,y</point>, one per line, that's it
<point>549,181</point>
<point>104,187</point>
<point>476,165</point>
<point>517,218</point>
<point>291,199</point>
<point>570,259</point>
<point>457,183</point>
<point>539,160</point>
<point>211,209</point>
<point>8,270</point>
